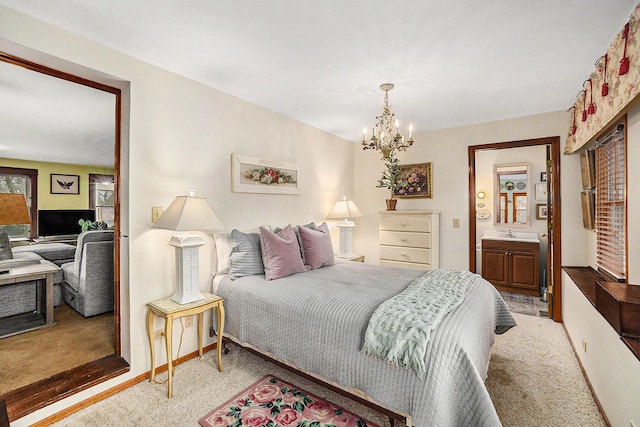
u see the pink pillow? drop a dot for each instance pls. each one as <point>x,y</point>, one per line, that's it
<point>316,245</point>
<point>280,253</point>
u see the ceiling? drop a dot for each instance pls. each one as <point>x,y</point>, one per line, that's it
<point>453,63</point>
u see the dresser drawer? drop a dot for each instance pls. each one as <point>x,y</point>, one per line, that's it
<point>404,254</point>
<point>405,223</point>
<point>415,266</point>
<point>412,239</point>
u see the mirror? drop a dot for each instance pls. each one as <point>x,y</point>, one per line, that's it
<point>511,185</point>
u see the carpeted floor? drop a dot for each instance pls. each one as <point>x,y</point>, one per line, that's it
<point>534,380</point>
<point>39,354</point>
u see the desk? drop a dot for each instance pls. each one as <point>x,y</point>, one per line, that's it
<point>170,310</point>
<point>43,274</point>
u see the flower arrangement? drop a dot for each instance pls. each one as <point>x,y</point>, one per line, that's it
<point>268,176</point>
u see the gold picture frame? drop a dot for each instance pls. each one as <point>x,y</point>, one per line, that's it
<point>416,180</point>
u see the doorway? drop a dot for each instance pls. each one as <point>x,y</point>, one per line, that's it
<point>35,396</point>
<point>552,175</point>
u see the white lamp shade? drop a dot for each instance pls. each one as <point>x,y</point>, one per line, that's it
<point>189,214</point>
<point>344,209</point>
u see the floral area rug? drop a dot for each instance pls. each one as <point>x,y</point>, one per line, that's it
<point>272,402</point>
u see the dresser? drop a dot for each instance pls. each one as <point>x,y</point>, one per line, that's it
<point>410,239</point>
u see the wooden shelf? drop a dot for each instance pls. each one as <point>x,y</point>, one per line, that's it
<point>618,303</point>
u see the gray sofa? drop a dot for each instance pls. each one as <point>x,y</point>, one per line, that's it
<point>20,298</point>
<point>88,280</point>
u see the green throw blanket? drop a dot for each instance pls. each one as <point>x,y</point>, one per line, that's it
<point>399,329</point>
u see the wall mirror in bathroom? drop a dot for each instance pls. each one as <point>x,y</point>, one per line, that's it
<point>512,189</point>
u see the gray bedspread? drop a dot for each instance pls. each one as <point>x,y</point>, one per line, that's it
<point>317,321</point>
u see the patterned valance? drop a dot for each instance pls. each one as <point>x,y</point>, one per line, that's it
<point>596,106</point>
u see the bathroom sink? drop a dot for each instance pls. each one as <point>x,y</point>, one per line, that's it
<point>516,236</point>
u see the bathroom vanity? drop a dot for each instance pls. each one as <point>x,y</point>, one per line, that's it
<point>510,261</point>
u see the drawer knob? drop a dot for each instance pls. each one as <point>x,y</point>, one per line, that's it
<point>404,239</point>
<point>404,254</point>
<point>403,224</point>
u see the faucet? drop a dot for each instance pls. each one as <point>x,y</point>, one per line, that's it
<point>509,234</point>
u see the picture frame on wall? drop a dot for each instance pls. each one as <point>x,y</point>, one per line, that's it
<point>542,211</point>
<point>416,180</point>
<point>65,184</point>
<point>257,175</point>
<point>587,169</point>
<point>588,202</point>
<point>541,191</point>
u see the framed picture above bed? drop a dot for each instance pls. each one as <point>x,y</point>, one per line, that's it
<point>257,175</point>
<point>416,182</point>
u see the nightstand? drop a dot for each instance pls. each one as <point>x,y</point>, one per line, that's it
<point>170,310</point>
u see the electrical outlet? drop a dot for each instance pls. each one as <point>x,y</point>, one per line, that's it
<point>158,335</point>
<point>156,212</point>
<point>188,321</point>
<point>456,222</point>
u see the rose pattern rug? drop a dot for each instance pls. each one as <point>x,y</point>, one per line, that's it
<point>272,402</point>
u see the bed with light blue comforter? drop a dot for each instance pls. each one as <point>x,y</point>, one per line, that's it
<point>317,320</point>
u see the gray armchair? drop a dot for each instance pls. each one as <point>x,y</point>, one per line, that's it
<point>88,280</point>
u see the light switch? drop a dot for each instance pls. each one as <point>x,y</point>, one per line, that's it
<point>456,222</point>
<point>156,211</point>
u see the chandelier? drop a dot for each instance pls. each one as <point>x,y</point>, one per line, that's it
<point>384,139</point>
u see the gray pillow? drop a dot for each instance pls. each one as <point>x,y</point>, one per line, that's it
<point>246,256</point>
<point>5,246</point>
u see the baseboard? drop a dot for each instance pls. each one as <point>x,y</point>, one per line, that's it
<point>584,374</point>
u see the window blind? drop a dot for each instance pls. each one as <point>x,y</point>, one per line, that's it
<point>610,203</point>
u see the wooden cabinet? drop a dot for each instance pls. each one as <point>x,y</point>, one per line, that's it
<point>511,265</point>
<point>410,239</point>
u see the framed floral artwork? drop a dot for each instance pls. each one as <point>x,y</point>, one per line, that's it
<point>257,175</point>
<point>65,184</point>
<point>416,182</point>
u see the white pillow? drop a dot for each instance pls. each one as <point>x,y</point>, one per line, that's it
<point>223,253</point>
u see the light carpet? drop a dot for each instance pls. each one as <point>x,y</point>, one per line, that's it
<point>534,380</point>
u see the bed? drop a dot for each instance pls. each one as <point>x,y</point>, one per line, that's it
<point>315,322</point>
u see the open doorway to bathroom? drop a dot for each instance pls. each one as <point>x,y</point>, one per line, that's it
<point>543,214</point>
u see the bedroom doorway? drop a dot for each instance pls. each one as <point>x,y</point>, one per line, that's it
<point>552,188</point>
<point>29,70</point>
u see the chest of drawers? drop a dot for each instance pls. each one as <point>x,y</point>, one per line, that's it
<point>410,239</point>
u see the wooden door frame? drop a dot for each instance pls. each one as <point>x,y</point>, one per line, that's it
<point>553,155</point>
<point>31,398</point>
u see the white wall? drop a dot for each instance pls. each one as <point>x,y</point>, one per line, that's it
<point>447,149</point>
<point>179,135</point>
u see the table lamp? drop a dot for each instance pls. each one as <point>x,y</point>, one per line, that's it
<point>345,209</point>
<point>13,211</point>
<point>188,213</point>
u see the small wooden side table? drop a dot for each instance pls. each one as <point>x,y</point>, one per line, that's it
<point>170,310</point>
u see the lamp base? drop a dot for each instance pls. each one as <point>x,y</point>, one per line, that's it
<point>185,298</point>
<point>187,247</point>
<point>346,239</point>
